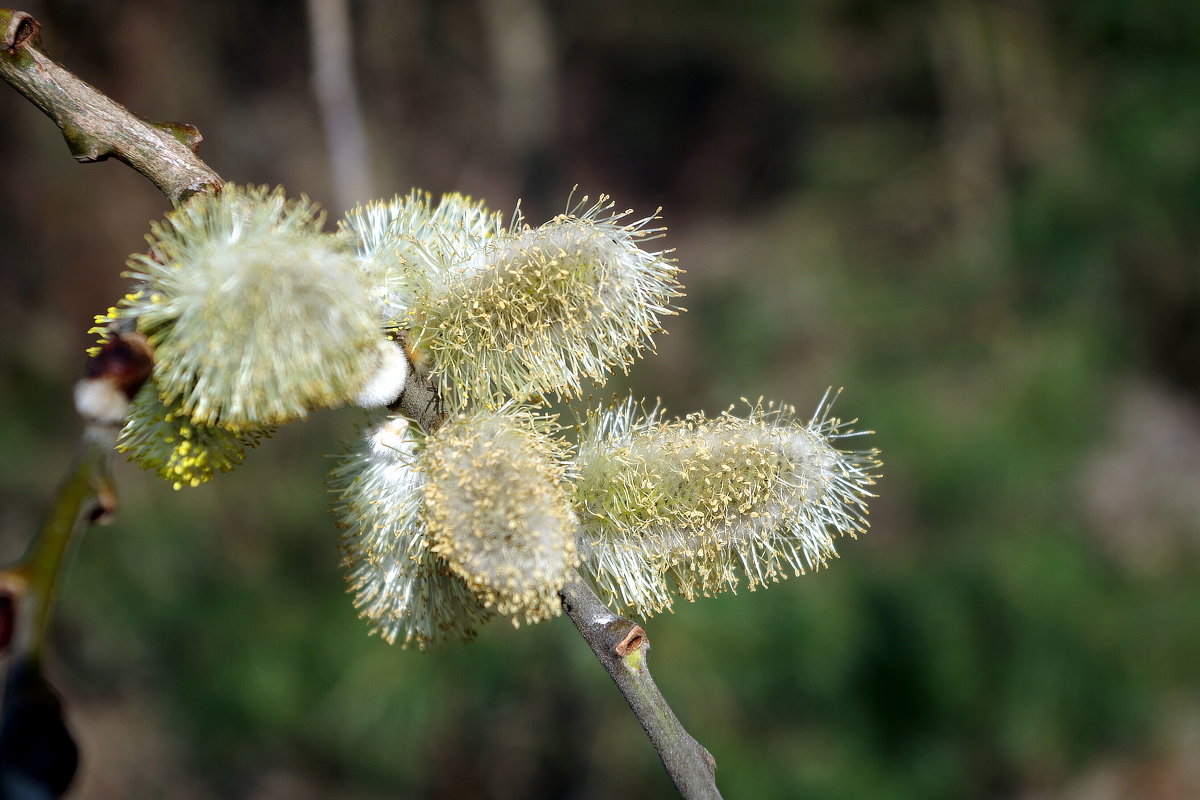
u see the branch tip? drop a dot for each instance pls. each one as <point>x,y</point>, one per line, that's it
<point>94,125</point>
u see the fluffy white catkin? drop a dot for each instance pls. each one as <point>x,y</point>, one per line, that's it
<point>498,512</point>
<point>445,529</point>
<point>256,316</point>
<point>541,310</point>
<point>406,591</point>
<point>692,506</point>
<point>395,241</point>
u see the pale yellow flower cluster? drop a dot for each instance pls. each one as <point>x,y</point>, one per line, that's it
<point>693,506</point>
<point>397,581</point>
<point>498,512</point>
<point>258,317</point>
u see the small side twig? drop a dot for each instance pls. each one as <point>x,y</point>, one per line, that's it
<point>36,745</point>
<point>36,748</point>
<point>85,496</point>
<point>622,646</point>
<point>95,126</point>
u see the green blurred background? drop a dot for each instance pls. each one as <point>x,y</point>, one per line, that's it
<point>979,218</point>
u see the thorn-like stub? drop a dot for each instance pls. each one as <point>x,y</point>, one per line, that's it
<point>86,148</point>
<point>185,133</point>
<point>104,510</point>
<point>634,639</point>
<point>22,30</point>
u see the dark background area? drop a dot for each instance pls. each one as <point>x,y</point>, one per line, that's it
<point>979,218</point>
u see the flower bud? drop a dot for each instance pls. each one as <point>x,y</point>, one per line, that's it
<point>386,381</point>
<point>692,506</point>
<point>116,371</point>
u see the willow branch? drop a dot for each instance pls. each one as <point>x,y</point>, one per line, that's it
<point>37,750</point>
<point>85,496</point>
<point>622,646</point>
<point>96,127</point>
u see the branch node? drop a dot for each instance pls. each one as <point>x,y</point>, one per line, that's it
<point>689,765</point>
<point>84,147</point>
<point>22,29</point>
<point>198,187</point>
<point>634,639</point>
<point>105,508</point>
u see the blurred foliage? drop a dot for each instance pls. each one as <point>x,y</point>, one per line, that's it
<point>978,217</point>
